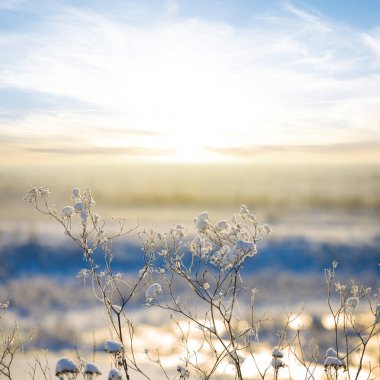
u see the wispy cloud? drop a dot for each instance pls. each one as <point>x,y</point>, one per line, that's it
<point>291,76</point>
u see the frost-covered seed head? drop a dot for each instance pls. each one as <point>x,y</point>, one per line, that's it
<point>377,314</point>
<point>91,369</point>
<point>114,374</point>
<point>333,362</point>
<point>201,222</point>
<point>113,347</point>
<point>330,352</point>
<point>79,206</point>
<point>244,210</point>
<point>352,302</point>
<point>75,193</point>
<point>276,353</point>
<point>183,372</point>
<point>65,366</point>
<point>221,225</point>
<point>277,363</point>
<point>153,291</point>
<point>67,211</point>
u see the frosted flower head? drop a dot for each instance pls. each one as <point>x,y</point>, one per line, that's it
<point>276,353</point>
<point>200,246</point>
<point>201,222</point>
<point>91,369</point>
<point>31,194</point>
<point>352,302</point>
<point>183,372</point>
<point>266,228</point>
<point>84,216</point>
<point>4,306</point>
<point>75,193</point>
<point>330,352</point>
<point>206,286</point>
<point>245,246</point>
<point>153,291</point>
<point>377,314</point>
<point>65,366</point>
<point>333,362</point>
<point>180,229</point>
<point>67,211</point>
<point>79,206</point>
<point>221,225</point>
<point>113,347</point>
<point>244,210</point>
<point>114,374</point>
<point>277,363</point>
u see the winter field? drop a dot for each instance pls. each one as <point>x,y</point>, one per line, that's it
<point>317,215</point>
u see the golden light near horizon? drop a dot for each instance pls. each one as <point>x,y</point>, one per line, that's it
<point>175,87</point>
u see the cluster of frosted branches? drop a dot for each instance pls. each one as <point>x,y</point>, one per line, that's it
<point>221,309</point>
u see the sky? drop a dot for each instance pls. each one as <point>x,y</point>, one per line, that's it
<point>189,80</point>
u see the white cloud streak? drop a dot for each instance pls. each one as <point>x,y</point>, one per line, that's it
<point>295,78</point>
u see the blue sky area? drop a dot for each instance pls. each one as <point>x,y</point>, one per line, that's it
<point>204,76</point>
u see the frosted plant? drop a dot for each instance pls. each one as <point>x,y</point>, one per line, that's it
<point>91,371</point>
<point>94,236</point>
<point>184,374</point>
<point>66,367</point>
<point>11,342</point>
<point>114,374</point>
<point>153,291</point>
<point>209,265</point>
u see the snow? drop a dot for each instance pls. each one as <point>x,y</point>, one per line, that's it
<point>67,211</point>
<point>114,374</point>
<point>75,193</point>
<point>333,362</point>
<point>330,352</point>
<point>277,353</point>
<point>112,346</point>
<point>91,368</point>
<point>277,363</point>
<point>79,206</point>
<point>245,246</point>
<point>201,222</point>
<point>65,365</point>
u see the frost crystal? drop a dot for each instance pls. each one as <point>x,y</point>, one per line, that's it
<point>114,374</point>
<point>91,369</point>
<point>153,291</point>
<point>206,286</point>
<point>113,347</point>
<point>65,366</point>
